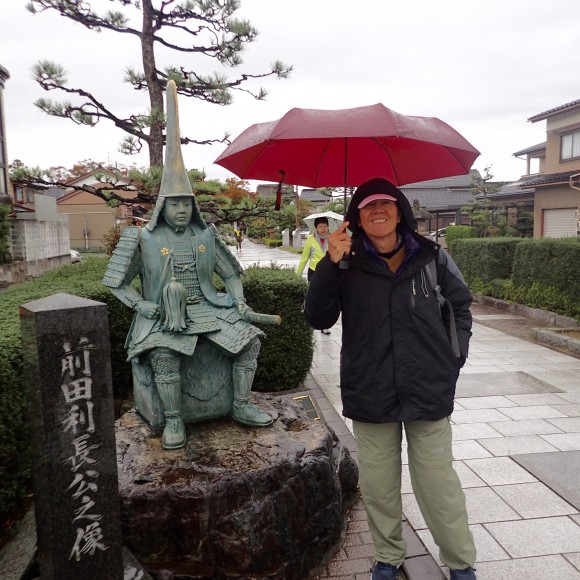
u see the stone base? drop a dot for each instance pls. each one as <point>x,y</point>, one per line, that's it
<point>235,502</point>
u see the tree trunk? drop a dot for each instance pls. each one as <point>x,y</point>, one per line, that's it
<point>155,90</point>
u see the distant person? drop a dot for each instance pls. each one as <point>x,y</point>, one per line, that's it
<point>314,250</point>
<point>399,368</point>
<point>238,236</point>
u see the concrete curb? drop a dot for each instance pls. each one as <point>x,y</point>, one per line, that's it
<point>557,338</point>
<point>543,316</point>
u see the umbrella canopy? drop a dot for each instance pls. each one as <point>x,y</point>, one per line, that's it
<point>334,220</point>
<point>335,148</point>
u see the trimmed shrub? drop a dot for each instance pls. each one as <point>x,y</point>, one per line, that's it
<point>287,351</point>
<point>547,271</point>
<point>484,258</point>
<point>272,243</point>
<point>15,468</point>
<point>458,232</point>
<point>537,273</point>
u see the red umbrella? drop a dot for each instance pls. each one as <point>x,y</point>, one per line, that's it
<point>334,148</point>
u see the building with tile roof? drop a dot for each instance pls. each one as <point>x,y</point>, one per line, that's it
<point>443,198</point>
<point>553,172</point>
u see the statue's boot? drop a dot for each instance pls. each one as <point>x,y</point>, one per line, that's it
<point>244,369</point>
<point>174,435</point>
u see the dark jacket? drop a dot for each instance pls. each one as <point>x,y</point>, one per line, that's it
<point>397,363</point>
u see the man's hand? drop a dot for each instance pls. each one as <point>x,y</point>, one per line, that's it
<point>338,243</point>
<point>147,309</point>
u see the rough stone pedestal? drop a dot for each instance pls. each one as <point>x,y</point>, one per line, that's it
<point>235,502</point>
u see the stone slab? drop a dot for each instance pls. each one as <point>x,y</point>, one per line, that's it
<point>67,372</point>
<point>494,384</point>
<point>236,501</point>
<point>560,471</point>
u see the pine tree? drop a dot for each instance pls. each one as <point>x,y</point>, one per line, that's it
<point>209,29</point>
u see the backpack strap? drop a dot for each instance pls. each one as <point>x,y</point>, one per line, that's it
<point>431,272</point>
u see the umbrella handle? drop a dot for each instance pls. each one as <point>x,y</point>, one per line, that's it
<point>279,191</point>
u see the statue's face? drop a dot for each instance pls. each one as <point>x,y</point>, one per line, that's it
<point>177,211</point>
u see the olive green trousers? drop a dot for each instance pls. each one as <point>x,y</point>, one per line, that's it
<point>435,485</point>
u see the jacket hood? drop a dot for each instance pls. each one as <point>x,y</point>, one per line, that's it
<point>374,186</point>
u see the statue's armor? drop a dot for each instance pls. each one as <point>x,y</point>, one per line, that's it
<point>209,314</point>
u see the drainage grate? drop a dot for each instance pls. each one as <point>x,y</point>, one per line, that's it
<point>308,406</point>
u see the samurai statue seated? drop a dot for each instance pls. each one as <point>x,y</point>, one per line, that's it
<point>193,350</point>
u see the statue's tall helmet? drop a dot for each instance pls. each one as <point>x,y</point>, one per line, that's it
<point>174,181</point>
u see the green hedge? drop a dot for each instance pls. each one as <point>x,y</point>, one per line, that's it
<point>459,232</point>
<point>538,273</point>
<point>285,357</point>
<point>82,279</point>
<point>484,258</point>
<point>272,243</point>
<point>287,351</point>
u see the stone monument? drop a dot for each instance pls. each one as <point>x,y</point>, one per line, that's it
<point>67,366</point>
<point>193,350</point>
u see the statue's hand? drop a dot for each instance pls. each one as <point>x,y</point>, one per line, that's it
<point>147,309</point>
<point>243,308</point>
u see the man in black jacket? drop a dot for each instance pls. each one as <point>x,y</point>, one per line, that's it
<point>398,368</point>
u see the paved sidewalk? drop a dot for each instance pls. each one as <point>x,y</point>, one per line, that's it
<point>516,429</point>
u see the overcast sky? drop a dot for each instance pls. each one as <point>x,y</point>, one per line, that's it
<point>482,67</point>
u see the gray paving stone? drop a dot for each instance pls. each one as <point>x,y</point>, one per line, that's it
<point>567,380</point>
<point>499,471</point>
<point>557,366</point>
<point>476,431</point>
<point>534,500</point>
<point>525,367</point>
<point>412,511</point>
<point>497,317</point>
<point>564,441</point>
<point>469,449</point>
<point>570,397</point>
<point>526,427</point>
<point>487,402</point>
<point>467,476</point>
<point>560,471</point>
<point>539,537</point>
<point>503,383</point>
<point>551,567</point>
<point>536,399</point>
<point>533,412</point>
<point>487,547</point>
<point>574,559</point>
<point>517,445</point>
<point>470,369</point>
<point>478,416</point>
<point>406,486</point>
<point>571,410</point>
<point>568,425</point>
<point>484,505</point>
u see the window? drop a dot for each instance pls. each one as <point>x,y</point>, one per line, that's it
<point>570,146</point>
<point>19,194</point>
